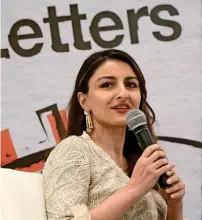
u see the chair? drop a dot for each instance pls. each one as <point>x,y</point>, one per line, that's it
<point>21,195</point>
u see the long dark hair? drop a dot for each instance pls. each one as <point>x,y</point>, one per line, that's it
<point>76,120</point>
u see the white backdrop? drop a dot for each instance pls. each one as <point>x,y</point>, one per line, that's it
<point>172,68</point>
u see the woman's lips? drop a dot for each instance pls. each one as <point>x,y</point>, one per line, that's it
<point>121,110</point>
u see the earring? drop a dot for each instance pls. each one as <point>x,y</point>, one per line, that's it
<point>89,124</point>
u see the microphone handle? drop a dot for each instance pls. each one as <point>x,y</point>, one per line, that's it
<point>145,139</point>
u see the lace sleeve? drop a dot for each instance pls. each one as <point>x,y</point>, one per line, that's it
<point>66,178</point>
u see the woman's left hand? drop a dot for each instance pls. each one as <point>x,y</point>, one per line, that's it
<point>175,192</point>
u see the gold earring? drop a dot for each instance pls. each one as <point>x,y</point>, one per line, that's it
<point>89,124</point>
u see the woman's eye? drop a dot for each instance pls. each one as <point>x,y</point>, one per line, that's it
<point>106,85</point>
<point>131,85</point>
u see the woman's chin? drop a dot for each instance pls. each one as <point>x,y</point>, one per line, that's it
<point>120,123</point>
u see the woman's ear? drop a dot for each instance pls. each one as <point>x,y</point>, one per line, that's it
<point>82,98</point>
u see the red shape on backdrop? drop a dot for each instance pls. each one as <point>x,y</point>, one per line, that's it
<point>52,122</point>
<point>8,153</point>
<point>36,167</point>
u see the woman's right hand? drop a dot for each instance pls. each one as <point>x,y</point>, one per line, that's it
<point>149,167</point>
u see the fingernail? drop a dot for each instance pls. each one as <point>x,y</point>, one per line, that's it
<point>168,173</point>
<point>168,181</point>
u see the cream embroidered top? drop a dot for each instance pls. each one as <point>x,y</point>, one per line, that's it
<point>79,175</point>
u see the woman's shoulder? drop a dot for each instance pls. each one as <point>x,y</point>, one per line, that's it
<point>69,148</point>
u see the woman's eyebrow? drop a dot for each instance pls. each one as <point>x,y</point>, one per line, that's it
<point>107,77</point>
<point>131,77</point>
<point>113,78</point>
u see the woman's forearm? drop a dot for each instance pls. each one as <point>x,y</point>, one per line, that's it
<point>175,212</point>
<point>115,206</point>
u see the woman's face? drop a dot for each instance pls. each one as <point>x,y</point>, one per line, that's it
<point>113,91</point>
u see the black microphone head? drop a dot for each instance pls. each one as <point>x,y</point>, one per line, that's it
<point>135,118</point>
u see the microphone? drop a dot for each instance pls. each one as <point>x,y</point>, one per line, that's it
<point>137,122</point>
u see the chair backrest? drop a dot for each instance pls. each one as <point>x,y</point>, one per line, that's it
<point>21,195</point>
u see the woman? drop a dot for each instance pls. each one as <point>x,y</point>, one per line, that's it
<point>98,171</point>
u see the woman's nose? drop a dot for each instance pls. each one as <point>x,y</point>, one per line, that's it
<point>122,92</point>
